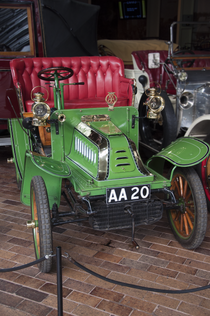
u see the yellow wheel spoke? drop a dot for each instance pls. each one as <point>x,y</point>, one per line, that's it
<point>177,187</point>
<point>185,189</point>
<point>181,185</point>
<point>189,221</point>
<point>181,224</point>
<point>186,225</point>
<point>190,212</point>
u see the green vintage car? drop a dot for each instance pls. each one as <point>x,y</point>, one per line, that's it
<point>93,150</point>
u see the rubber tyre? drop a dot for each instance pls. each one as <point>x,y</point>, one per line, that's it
<point>165,133</point>
<point>203,170</point>
<point>40,212</point>
<point>189,224</point>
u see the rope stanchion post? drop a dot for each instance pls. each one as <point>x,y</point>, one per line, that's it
<point>59,282</point>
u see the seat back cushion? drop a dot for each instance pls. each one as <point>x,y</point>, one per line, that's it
<point>100,75</point>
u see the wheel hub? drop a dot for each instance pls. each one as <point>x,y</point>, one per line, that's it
<point>181,203</point>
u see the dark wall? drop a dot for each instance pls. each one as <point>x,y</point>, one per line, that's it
<point>110,26</point>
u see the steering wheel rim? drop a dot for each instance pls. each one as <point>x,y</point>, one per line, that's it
<point>188,63</point>
<point>51,77</point>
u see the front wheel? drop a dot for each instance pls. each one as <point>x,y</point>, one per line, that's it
<point>40,213</point>
<point>189,221</point>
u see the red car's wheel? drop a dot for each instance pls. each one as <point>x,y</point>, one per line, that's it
<point>204,173</point>
<point>189,220</point>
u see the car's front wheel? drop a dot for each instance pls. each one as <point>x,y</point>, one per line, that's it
<point>40,214</point>
<point>189,219</point>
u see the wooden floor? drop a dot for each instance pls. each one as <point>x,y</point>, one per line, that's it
<point>160,262</point>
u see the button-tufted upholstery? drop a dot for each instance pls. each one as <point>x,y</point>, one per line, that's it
<point>99,74</point>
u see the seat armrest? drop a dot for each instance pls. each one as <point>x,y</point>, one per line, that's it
<point>126,89</point>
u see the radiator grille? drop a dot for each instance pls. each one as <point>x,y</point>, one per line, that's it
<point>114,216</point>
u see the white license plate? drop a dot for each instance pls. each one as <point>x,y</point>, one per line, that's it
<point>128,194</point>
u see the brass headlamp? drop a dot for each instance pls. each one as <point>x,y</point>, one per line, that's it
<point>154,102</point>
<point>40,109</point>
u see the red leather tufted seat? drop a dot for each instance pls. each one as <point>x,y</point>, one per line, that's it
<point>99,74</point>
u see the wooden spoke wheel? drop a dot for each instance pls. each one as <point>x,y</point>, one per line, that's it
<point>189,219</point>
<point>40,214</point>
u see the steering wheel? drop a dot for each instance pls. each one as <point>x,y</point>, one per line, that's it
<point>61,72</point>
<point>185,63</point>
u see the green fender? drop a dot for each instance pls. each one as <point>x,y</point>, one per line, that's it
<point>184,152</point>
<point>50,170</point>
<point>49,165</point>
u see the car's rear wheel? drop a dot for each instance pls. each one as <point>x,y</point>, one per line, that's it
<point>40,213</point>
<point>189,220</point>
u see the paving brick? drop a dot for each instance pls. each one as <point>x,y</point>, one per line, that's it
<point>100,283</point>
<point>153,261</point>
<point>52,288</point>
<point>161,271</point>
<point>162,311</point>
<point>114,308</point>
<point>203,251</point>
<point>135,264</point>
<point>116,267</point>
<point>172,258</point>
<point>9,300</point>
<point>203,274</point>
<point>77,275</point>
<point>51,301</point>
<point>172,283</point>
<point>9,311</point>
<point>20,242</point>
<point>84,310</point>
<point>84,298</point>
<point>190,254</point>
<point>106,294</point>
<point>139,304</point>
<point>181,268</point>
<point>22,251</point>
<point>139,313</point>
<point>84,251</point>
<point>192,279</point>
<point>9,286</point>
<point>145,275</point>
<point>161,299</point>
<point>29,282</point>
<point>108,257</point>
<point>205,303</point>
<point>127,254</point>
<point>198,264</point>
<point>31,294</point>
<point>193,310</point>
<point>156,240</point>
<point>54,312</point>
<point>79,286</point>
<point>33,308</point>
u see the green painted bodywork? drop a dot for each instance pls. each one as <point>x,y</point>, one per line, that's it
<point>185,152</point>
<point>77,156</point>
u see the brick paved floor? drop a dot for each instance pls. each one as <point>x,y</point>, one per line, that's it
<point>160,262</point>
